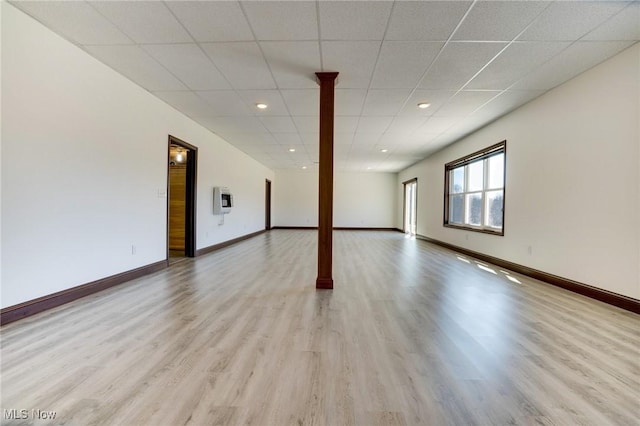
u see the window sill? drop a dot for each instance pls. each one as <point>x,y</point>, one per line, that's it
<point>499,233</point>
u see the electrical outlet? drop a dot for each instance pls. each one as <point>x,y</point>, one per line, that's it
<point>529,250</point>
<point>133,249</point>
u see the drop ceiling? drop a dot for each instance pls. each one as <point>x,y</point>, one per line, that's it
<point>473,61</point>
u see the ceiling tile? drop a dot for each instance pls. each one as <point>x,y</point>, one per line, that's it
<point>360,149</point>
<point>273,99</point>
<point>428,21</point>
<point>379,84</point>
<point>256,151</point>
<point>232,125</point>
<point>345,124</point>
<point>349,101</point>
<point>144,21</point>
<point>516,61</point>
<point>225,103</point>
<point>189,64</point>
<point>302,101</point>
<point>577,58</point>
<point>434,97</point>
<point>293,64</point>
<point>212,20</point>
<point>405,125</point>
<point>277,151</point>
<point>403,63</point>
<point>255,139</point>
<point>458,62</point>
<point>385,102</point>
<point>77,21</point>
<point>343,139</point>
<point>374,124</point>
<point>279,124</point>
<point>354,60</point>
<point>288,139</point>
<point>465,102</point>
<point>498,20</point>
<point>307,124</point>
<point>570,20</point>
<point>282,20</point>
<point>390,140</point>
<point>187,102</point>
<point>354,20</point>
<point>506,102</point>
<point>311,139</point>
<point>242,64</point>
<point>437,125</point>
<point>366,138</point>
<point>135,64</point>
<point>625,25</point>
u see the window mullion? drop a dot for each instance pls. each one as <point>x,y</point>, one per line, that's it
<point>485,184</point>
<point>464,197</point>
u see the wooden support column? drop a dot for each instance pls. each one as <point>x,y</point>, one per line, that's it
<point>327,81</point>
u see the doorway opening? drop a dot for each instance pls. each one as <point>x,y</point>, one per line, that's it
<point>267,205</point>
<point>410,210</point>
<point>182,169</point>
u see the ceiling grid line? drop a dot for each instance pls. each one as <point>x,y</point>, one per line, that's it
<point>473,60</point>
<point>485,66</point>
<point>264,57</point>
<point>433,61</point>
<point>515,40</point>
<point>375,66</point>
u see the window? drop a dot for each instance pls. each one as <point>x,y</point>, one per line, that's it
<point>474,191</point>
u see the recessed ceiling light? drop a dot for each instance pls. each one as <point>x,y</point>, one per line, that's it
<point>368,168</point>
<point>423,105</point>
<point>292,150</point>
<point>261,106</point>
<point>304,167</point>
<point>384,150</point>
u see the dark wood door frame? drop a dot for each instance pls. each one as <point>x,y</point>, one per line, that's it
<point>190,192</point>
<point>267,204</point>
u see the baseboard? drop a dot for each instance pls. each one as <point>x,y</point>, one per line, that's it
<point>219,246</point>
<point>324,283</point>
<point>355,228</point>
<point>615,299</point>
<point>296,227</point>
<point>339,228</point>
<point>32,307</point>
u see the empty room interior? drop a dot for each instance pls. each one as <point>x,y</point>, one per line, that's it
<point>320,212</point>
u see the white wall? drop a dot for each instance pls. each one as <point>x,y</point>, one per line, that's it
<point>572,180</point>
<point>360,200</point>
<point>84,154</point>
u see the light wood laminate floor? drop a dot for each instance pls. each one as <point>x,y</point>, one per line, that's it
<point>411,334</point>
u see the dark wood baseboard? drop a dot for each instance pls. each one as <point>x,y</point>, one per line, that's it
<point>32,307</point>
<point>355,228</point>
<point>338,228</point>
<point>219,246</point>
<point>615,299</point>
<point>296,227</point>
<point>324,283</point>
